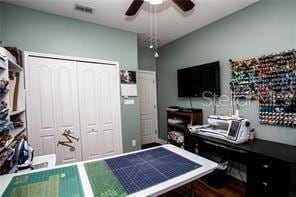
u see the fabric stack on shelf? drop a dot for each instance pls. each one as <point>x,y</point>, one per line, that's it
<point>176,136</point>
<point>17,122</point>
<point>5,125</point>
<point>175,121</point>
<point>3,86</point>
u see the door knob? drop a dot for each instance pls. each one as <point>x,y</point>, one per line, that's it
<point>94,130</point>
<point>67,131</point>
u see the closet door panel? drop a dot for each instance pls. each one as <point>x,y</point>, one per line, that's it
<point>98,81</point>
<point>89,84</point>
<point>67,110</point>
<point>48,145</point>
<point>42,126</point>
<point>90,113</point>
<point>94,140</point>
<point>108,106</point>
<point>105,92</point>
<point>46,97</point>
<point>109,148</point>
<point>64,96</point>
<point>53,107</point>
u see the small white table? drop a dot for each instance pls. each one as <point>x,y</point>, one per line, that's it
<point>49,159</point>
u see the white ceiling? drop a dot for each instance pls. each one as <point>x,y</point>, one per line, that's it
<point>172,22</point>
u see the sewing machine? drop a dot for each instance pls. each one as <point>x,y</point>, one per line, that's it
<point>232,129</point>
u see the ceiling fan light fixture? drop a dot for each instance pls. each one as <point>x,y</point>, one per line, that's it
<point>154,2</point>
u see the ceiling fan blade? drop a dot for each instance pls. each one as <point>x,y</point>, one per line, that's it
<point>134,7</point>
<point>184,5</point>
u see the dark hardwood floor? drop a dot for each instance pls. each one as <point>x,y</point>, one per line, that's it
<point>232,188</point>
<point>144,146</point>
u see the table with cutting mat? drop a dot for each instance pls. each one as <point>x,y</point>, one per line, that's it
<point>149,172</point>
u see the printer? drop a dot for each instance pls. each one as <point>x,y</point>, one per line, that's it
<point>232,129</point>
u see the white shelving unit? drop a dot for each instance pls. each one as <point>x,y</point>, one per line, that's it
<point>14,132</point>
<point>12,66</point>
<point>13,113</point>
<point>8,65</point>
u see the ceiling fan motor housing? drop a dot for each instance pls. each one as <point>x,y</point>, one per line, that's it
<point>184,5</point>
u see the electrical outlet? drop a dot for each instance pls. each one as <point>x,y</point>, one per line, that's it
<point>134,143</point>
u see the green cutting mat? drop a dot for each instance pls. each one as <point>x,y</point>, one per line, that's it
<point>64,182</point>
<point>102,180</point>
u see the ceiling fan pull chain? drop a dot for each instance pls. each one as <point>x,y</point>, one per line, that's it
<point>155,21</point>
<point>151,36</point>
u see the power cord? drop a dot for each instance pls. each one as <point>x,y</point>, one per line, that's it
<point>239,171</point>
<point>190,102</point>
<point>231,164</point>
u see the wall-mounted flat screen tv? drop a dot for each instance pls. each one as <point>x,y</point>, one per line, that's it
<point>199,81</point>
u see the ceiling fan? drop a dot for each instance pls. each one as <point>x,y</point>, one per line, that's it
<point>184,5</point>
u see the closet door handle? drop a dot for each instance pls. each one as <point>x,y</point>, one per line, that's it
<point>63,143</point>
<point>68,141</point>
<point>67,131</point>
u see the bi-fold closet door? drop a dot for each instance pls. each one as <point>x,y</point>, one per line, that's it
<point>99,109</point>
<point>76,96</point>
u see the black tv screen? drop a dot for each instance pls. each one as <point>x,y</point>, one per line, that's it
<point>199,81</point>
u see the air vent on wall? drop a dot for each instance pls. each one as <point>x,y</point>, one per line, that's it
<point>83,8</point>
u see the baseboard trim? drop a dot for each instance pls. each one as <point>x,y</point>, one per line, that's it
<point>161,141</point>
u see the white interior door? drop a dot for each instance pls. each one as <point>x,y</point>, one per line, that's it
<point>148,106</point>
<point>52,107</point>
<point>99,109</point>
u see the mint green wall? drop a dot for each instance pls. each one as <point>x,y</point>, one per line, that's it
<point>41,32</point>
<point>262,28</point>
<point>146,59</point>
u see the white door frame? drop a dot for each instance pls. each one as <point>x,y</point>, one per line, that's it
<point>27,54</point>
<point>156,104</point>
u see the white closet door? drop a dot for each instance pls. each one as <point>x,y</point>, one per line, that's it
<point>99,108</point>
<point>52,107</point>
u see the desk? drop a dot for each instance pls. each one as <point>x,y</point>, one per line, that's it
<point>271,167</point>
